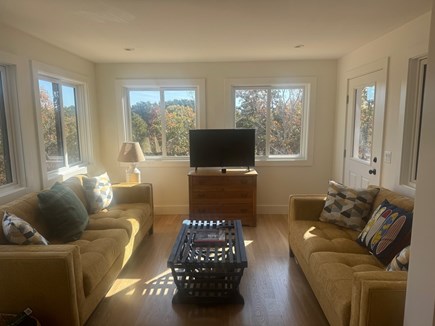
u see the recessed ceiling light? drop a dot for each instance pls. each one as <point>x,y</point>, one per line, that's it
<point>299,46</point>
<point>129,49</point>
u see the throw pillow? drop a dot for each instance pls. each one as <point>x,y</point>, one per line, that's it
<point>20,232</point>
<point>63,212</point>
<point>401,261</point>
<point>375,223</point>
<point>387,232</point>
<point>98,191</point>
<point>348,207</point>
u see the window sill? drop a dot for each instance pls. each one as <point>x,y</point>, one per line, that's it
<point>62,175</point>
<point>12,192</point>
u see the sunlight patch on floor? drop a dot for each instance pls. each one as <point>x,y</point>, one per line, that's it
<point>122,284</point>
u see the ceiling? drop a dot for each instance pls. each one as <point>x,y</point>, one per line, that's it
<point>208,30</point>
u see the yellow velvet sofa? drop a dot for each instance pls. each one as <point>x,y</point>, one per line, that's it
<point>352,286</point>
<point>63,283</point>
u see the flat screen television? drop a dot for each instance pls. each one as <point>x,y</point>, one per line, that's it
<point>224,148</point>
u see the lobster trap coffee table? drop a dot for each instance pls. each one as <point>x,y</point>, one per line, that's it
<point>208,271</point>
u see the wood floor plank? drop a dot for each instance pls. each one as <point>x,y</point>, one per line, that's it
<point>273,286</point>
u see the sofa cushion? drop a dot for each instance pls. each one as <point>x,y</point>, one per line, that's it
<point>387,232</point>
<point>99,249</point>
<point>63,212</point>
<point>401,261</point>
<point>333,274</point>
<point>18,231</point>
<point>130,217</point>
<point>315,236</point>
<point>348,207</point>
<point>98,191</point>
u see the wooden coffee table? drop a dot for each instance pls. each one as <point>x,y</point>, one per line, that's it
<point>208,272</point>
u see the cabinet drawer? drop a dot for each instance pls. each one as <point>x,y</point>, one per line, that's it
<point>221,209</point>
<point>217,196</point>
<point>222,181</point>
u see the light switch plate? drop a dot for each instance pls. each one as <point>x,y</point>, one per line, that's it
<point>387,157</point>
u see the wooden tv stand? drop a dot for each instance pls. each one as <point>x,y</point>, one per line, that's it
<point>217,195</point>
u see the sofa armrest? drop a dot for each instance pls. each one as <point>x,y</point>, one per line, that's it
<point>305,207</point>
<point>127,193</point>
<point>47,279</point>
<point>378,298</point>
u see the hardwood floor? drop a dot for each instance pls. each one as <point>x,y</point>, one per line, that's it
<point>273,286</point>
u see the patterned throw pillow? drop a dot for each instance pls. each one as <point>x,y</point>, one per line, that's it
<point>20,232</point>
<point>63,212</point>
<point>387,232</point>
<point>400,262</point>
<point>99,192</point>
<point>348,207</point>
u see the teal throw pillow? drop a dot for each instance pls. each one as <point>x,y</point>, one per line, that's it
<point>63,212</point>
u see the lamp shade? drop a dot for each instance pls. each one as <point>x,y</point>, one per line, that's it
<point>131,152</point>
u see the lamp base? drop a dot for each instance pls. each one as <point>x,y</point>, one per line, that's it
<point>132,174</point>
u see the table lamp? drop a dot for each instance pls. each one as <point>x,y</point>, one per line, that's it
<point>132,153</point>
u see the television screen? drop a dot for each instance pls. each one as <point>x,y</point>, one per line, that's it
<point>222,148</point>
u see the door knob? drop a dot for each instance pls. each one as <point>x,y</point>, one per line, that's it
<point>375,159</point>
<point>372,171</point>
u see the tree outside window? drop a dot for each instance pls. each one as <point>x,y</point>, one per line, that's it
<point>161,119</point>
<point>59,122</point>
<point>277,114</point>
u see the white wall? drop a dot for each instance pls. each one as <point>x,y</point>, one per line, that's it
<point>20,49</point>
<point>420,297</point>
<point>400,45</point>
<point>275,184</point>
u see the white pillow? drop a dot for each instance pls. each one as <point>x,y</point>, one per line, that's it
<point>18,231</point>
<point>98,191</point>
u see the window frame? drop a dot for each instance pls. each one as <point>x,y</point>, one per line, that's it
<point>308,134</point>
<point>412,120</point>
<point>125,134</point>
<point>80,83</point>
<point>12,121</point>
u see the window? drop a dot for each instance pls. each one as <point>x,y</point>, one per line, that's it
<point>58,104</point>
<point>6,171</point>
<point>280,114</point>
<point>413,119</point>
<point>59,117</point>
<point>64,122</point>
<point>159,115</point>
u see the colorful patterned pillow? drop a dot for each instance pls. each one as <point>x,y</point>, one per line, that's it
<point>375,223</point>
<point>98,191</point>
<point>348,207</point>
<point>400,262</point>
<point>63,212</point>
<point>20,232</point>
<point>387,232</point>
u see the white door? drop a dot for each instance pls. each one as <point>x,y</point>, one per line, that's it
<point>365,124</point>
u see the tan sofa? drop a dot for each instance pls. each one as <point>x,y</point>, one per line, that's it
<point>351,285</point>
<point>63,283</point>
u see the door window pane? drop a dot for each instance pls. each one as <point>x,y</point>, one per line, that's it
<point>364,122</point>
